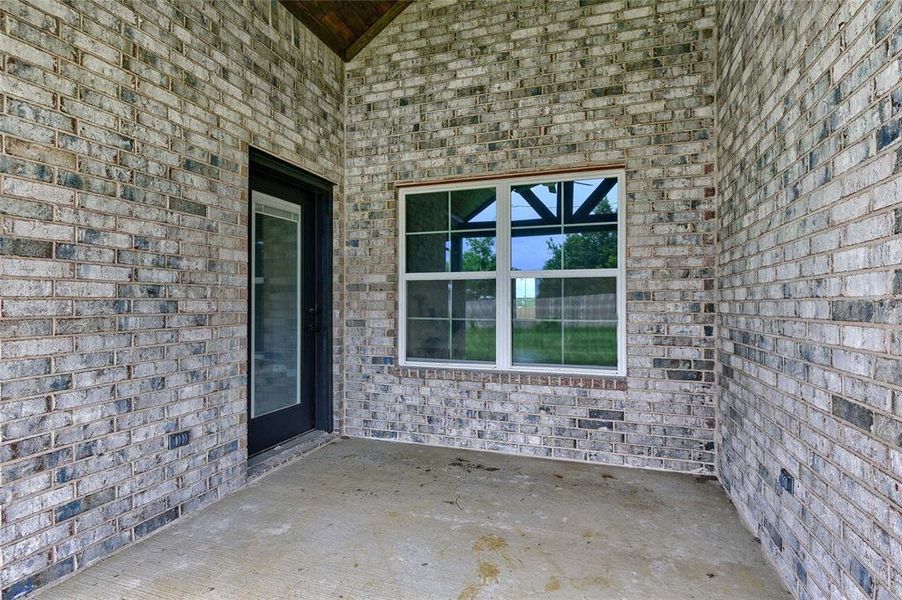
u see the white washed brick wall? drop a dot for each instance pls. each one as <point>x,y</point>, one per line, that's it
<point>496,87</point>
<point>810,277</point>
<point>124,129</point>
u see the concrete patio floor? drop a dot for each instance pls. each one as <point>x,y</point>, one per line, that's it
<point>369,519</point>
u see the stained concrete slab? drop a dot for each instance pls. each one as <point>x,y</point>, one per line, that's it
<point>369,519</point>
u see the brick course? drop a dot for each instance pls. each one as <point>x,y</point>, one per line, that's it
<point>125,129</point>
<point>810,183</point>
<point>455,89</point>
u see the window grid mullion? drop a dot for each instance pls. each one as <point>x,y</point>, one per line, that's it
<point>503,282</point>
<point>452,275</point>
<point>564,274</point>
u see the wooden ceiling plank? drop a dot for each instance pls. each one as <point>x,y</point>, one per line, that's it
<point>375,28</point>
<point>358,18</point>
<point>311,20</point>
<point>347,26</point>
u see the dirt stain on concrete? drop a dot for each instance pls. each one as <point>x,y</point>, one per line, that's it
<point>553,585</point>
<point>495,544</point>
<point>470,466</point>
<point>470,592</point>
<point>490,542</point>
<point>488,572</point>
<point>584,583</point>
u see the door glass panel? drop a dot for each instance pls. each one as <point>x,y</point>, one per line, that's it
<point>276,294</point>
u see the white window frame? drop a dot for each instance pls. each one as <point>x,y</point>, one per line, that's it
<point>503,274</point>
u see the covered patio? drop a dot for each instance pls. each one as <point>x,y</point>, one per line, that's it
<point>370,519</point>
<point>437,299</point>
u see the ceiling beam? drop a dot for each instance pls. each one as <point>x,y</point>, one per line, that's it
<point>345,27</point>
<point>375,28</point>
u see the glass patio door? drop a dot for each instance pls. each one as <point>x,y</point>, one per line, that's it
<point>279,406</point>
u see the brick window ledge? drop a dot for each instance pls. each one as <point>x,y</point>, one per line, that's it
<point>450,373</point>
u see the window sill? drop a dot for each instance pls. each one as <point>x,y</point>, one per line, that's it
<point>537,370</point>
<point>481,373</point>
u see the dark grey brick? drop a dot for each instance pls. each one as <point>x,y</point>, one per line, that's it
<point>154,523</point>
<point>852,310</point>
<point>26,247</point>
<point>187,206</point>
<point>853,413</point>
<point>861,576</point>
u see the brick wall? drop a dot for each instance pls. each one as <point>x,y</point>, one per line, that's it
<point>125,129</point>
<point>810,188</point>
<point>455,89</point>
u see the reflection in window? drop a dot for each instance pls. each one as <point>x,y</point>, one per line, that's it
<point>536,249</point>
<point>473,251</point>
<point>586,247</point>
<point>451,231</point>
<point>451,319</point>
<point>591,201</point>
<point>567,225</point>
<point>427,212</point>
<point>537,204</point>
<point>427,252</point>
<point>554,256</point>
<point>473,209</point>
<point>570,321</point>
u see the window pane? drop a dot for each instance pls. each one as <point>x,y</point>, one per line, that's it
<point>537,298</point>
<point>590,343</point>
<point>536,249</point>
<point>432,335</point>
<point>590,321</point>
<point>473,251</point>
<point>537,204</point>
<point>589,247</point>
<point>536,342</point>
<point>592,299</point>
<point>536,334</point>
<point>591,201</point>
<point>473,299</point>
<point>473,340</point>
<point>570,321</point>
<point>554,226</point>
<point>428,299</point>
<point>428,339</point>
<point>473,209</point>
<point>426,212</point>
<point>427,253</point>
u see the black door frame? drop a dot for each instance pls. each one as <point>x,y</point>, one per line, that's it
<point>262,165</point>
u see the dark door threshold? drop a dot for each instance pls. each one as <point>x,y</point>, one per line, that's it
<point>288,450</point>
